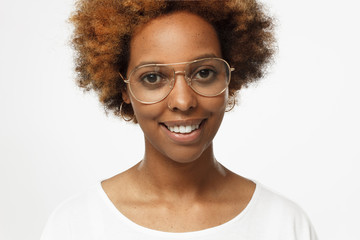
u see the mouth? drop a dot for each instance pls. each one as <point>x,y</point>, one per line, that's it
<point>183,128</point>
<point>184,132</point>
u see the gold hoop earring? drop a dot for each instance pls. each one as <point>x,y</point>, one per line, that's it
<point>122,116</point>
<point>232,106</point>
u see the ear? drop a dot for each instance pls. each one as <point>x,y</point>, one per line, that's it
<point>125,96</point>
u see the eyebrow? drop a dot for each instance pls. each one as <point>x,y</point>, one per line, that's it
<point>206,55</point>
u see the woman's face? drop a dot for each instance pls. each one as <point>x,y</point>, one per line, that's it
<point>179,37</point>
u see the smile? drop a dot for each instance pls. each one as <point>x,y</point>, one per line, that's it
<point>183,128</point>
<point>183,132</point>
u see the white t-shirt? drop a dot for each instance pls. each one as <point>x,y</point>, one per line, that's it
<point>92,216</point>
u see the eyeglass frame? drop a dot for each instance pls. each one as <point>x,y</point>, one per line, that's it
<point>172,81</point>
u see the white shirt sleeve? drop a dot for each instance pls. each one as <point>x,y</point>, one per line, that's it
<point>57,227</point>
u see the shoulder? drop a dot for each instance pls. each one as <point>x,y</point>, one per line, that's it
<point>76,211</point>
<point>80,202</point>
<point>273,202</point>
<point>271,210</point>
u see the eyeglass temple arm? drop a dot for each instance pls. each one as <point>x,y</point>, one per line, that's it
<point>125,80</point>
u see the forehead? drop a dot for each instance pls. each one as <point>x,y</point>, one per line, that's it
<point>178,37</point>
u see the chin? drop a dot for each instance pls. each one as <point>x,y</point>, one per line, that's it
<point>186,155</point>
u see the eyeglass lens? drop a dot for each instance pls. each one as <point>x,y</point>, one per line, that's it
<point>151,83</point>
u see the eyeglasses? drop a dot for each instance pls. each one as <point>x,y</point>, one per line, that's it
<point>151,83</point>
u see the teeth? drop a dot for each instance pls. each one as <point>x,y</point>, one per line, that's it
<point>176,129</point>
<point>183,129</point>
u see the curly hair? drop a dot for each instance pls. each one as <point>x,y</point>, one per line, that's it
<point>103,31</point>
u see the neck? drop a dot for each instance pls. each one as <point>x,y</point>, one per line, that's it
<point>170,179</point>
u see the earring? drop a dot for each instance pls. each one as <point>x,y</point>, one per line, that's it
<point>122,116</point>
<point>232,106</point>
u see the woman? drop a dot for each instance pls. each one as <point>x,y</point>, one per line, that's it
<point>174,68</point>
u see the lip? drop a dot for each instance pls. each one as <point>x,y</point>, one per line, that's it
<point>183,138</point>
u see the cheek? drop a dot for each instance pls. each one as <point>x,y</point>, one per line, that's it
<point>147,114</point>
<point>216,105</point>
<point>143,116</point>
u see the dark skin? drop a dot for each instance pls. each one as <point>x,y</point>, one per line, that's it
<point>178,186</point>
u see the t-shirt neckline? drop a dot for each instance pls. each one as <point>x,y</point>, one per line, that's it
<point>159,233</point>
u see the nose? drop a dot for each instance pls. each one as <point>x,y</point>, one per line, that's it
<point>181,97</point>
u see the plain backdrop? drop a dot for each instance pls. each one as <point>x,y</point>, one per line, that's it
<point>297,131</point>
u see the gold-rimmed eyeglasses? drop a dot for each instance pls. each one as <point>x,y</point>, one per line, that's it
<point>151,83</point>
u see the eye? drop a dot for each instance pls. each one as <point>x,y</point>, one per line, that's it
<point>151,78</point>
<point>204,74</point>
